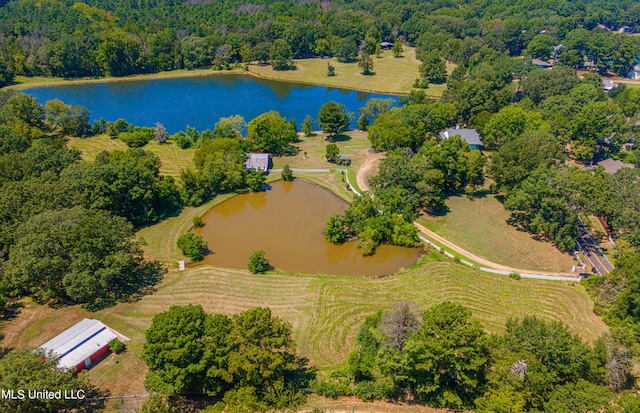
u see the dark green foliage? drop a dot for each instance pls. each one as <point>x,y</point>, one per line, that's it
<point>433,69</point>
<point>281,55</point>
<point>287,173</point>
<point>95,258</point>
<point>331,152</point>
<point>156,403</point>
<point>258,263</point>
<point>116,346</point>
<point>255,180</point>
<point>366,64</point>
<point>250,360</point>
<point>307,125</point>
<point>515,160</point>
<point>137,138</point>
<point>193,246</point>
<point>197,222</point>
<point>127,183</point>
<point>27,369</point>
<point>541,84</point>
<point>370,112</point>
<point>334,118</point>
<point>66,119</point>
<point>346,50</point>
<point>270,133</point>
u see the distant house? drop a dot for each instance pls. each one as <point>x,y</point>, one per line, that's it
<point>603,27</point>
<point>82,345</point>
<point>627,146</point>
<point>470,135</point>
<point>608,85</point>
<point>611,166</point>
<point>634,73</point>
<point>386,45</point>
<point>259,161</point>
<point>625,29</point>
<point>541,64</point>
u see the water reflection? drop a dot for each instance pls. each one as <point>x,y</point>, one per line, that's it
<point>287,222</point>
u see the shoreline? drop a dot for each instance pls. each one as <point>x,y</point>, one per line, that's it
<point>25,83</point>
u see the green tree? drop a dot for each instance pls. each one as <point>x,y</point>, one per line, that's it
<point>541,47</point>
<point>307,125</point>
<point>433,68</point>
<point>22,107</point>
<point>287,173</point>
<point>193,246</point>
<point>258,263</point>
<point>334,118</point>
<point>256,180</point>
<point>271,133</point>
<point>366,64</point>
<point>263,358</point>
<point>449,357</point>
<point>281,55</point>
<point>96,258</point>
<point>29,369</point>
<point>229,127</point>
<point>186,350</point>
<point>541,84</point>
<point>332,151</point>
<point>510,123</point>
<point>397,48</point>
<point>346,50</point>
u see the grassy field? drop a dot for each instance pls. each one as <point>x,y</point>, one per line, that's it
<point>325,311</point>
<point>392,75</point>
<point>172,158</point>
<point>480,226</point>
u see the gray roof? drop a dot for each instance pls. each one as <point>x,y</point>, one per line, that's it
<point>258,161</point>
<point>344,157</point>
<point>539,62</point>
<point>611,166</point>
<point>470,135</point>
<point>386,44</point>
<point>78,342</point>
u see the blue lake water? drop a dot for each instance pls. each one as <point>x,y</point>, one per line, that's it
<point>200,101</point>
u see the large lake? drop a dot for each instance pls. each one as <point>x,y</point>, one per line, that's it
<point>199,101</point>
<point>288,222</point>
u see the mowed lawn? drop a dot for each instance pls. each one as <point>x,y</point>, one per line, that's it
<point>392,75</point>
<point>480,226</point>
<point>325,311</point>
<point>172,158</point>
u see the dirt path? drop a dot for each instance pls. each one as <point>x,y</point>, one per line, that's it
<point>367,169</point>
<point>363,174</point>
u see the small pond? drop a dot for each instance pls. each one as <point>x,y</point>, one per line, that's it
<point>199,101</point>
<point>287,222</point>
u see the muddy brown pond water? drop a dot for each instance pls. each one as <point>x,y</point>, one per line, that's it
<point>287,222</point>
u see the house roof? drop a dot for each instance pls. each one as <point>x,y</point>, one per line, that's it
<point>608,84</point>
<point>470,135</point>
<point>79,342</point>
<point>344,157</point>
<point>258,161</point>
<point>386,44</point>
<point>539,62</point>
<point>611,166</point>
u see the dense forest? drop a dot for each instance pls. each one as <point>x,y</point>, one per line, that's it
<point>117,38</point>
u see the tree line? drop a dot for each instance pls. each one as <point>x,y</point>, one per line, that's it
<point>108,37</point>
<point>443,357</point>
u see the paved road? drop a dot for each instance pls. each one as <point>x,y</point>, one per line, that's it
<point>590,249</point>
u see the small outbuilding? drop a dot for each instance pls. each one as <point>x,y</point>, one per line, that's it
<point>608,85</point>
<point>82,345</point>
<point>611,166</point>
<point>344,160</point>
<point>386,45</point>
<point>470,135</point>
<point>259,161</point>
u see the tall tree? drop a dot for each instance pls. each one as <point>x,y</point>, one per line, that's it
<point>271,133</point>
<point>334,118</point>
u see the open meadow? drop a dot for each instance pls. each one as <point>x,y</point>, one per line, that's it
<point>393,75</point>
<point>480,225</point>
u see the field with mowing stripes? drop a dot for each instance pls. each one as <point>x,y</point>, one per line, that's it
<point>325,311</point>
<point>173,159</point>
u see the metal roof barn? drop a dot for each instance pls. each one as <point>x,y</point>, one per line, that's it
<point>81,345</point>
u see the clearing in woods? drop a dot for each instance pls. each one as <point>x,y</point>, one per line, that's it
<point>480,225</point>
